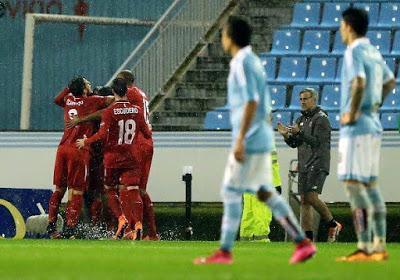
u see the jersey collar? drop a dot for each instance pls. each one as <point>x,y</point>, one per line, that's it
<point>240,55</point>
<point>358,41</point>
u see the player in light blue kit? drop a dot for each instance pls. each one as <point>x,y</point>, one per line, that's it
<point>366,80</point>
<point>249,167</point>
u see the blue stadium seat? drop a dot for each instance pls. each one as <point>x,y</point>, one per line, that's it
<point>396,44</point>
<point>292,69</point>
<point>283,117</point>
<point>389,15</point>
<point>296,115</point>
<point>338,46</point>
<point>330,98</point>
<point>398,73</point>
<point>391,62</point>
<point>332,13</point>
<point>278,96</point>
<point>381,40</point>
<point>217,120</point>
<point>392,101</point>
<point>322,69</point>
<point>269,63</point>
<point>372,9</point>
<point>306,14</point>
<point>286,41</point>
<point>390,121</point>
<point>295,98</point>
<point>339,70</point>
<point>334,119</point>
<point>316,42</point>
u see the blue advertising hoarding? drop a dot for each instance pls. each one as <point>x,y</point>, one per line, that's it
<point>16,206</point>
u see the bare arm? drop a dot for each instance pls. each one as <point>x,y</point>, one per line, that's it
<point>248,115</point>
<point>96,116</point>
<point>357,92</point>
<point>60,98</point>
<point>387,88</point>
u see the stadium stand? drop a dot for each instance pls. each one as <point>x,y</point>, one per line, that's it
<point>322,70</point>
<point>306,14</point>
<point>330,98</point>
<point>389,120</point>
<point>389,15</point>
<point>392,101</point>
<point>218,120</point>
<point>381,40</point>
<point>269,63</point>
<point>292,69</point>
<point>278,97</point>
<point>309,51</point>
<point>315,42</point>
<point>284,117</point>
<point>60,53</point>
<point>286,42</point>
<point>332,12</point>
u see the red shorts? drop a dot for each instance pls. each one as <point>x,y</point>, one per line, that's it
<point>145,163</point>
<point>71,167</point>
<point>121,176</point>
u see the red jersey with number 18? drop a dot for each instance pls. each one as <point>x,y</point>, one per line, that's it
<point>121,123</point>
<point>137,97</point>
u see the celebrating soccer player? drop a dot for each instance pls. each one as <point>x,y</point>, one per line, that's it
<point>121,123</point>
<point>366,80</point>
<point>71,163</point>
<point>144,150</point>
<point>249,164</point>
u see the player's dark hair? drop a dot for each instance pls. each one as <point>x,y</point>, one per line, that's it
<point>76,86</point>
<point>239,30</point>
<point>357,19</point>
<point>119,86</point>
<point>105,91</point>
<point>127,75</point>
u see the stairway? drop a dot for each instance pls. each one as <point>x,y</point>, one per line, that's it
<point>203,87</point>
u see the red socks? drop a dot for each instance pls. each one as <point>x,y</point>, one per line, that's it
<point>113,202</point>
<point>132,206</point>
<point>74,208</point>
<point>148,213</point>
<point>54,204</point>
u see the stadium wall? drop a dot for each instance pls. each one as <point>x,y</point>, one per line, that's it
<point>64,50</point>
<point>27,161</point>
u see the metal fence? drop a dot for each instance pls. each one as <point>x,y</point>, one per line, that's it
<point>172,39</point>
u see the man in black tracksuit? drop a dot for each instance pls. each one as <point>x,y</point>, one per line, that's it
<point>311,135</point>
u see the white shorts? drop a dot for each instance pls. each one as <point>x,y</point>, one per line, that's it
<point>359,158</point>
<point>251,175</point>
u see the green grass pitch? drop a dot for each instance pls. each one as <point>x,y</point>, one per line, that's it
<point>81,259</point>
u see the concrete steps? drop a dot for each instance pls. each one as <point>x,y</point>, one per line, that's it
<point>203,87</point>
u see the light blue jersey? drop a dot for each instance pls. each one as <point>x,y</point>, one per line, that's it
<point>247,82</point>
<point>361,59</point>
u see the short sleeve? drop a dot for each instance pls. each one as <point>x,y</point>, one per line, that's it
<point>249,83</point>
<point>356,63</point>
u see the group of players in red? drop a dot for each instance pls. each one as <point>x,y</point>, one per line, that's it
<point>114,161</point>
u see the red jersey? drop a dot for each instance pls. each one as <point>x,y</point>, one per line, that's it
<point>137,97</point>
<point>78,107</point>
<point>121,123</point>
